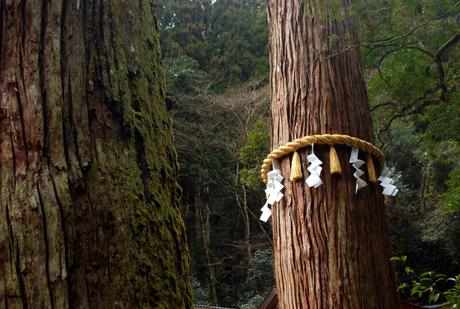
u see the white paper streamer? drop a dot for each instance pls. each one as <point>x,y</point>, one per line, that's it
<point>273,191</point>
<point>314,179</point>
<point>357,163</point>
<point>387,183</point>
<point>266,213</point>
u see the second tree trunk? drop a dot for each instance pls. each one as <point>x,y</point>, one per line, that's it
<point>331,245</point>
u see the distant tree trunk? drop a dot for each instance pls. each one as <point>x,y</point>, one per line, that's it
<point>201,205</point>
<point>247,225</point>
<point>242,203</point>
<point>88,198</point>
<point>331,245</point>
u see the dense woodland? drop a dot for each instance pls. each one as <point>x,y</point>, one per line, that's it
<point>215,57</point>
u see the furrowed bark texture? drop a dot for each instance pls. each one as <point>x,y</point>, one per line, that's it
<point>331,245</point>
<point>89,213</point>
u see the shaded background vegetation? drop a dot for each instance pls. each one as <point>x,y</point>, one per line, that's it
<point>216,65</point>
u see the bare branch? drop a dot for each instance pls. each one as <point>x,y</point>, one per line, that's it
<point>380,105</point>
<point>448,44</point>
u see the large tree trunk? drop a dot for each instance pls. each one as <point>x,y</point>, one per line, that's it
<point>88,198</point>
<point>331,245</point>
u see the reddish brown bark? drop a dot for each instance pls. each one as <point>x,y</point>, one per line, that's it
<point>331,245</point>
<point>89,212</point>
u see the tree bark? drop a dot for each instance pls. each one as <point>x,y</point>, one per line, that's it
<point>88,198</point>
<point>202,208</point>
<point>242,203</point>
<point>331,245</point>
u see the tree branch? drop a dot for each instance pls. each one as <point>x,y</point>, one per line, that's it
<point>448,44</point>
<point>410,109</point>
<point>387,103</point>
<point>384,42</point>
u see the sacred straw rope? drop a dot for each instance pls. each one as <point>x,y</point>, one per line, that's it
<point>324,139</point>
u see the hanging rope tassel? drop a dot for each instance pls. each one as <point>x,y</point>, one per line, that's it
<point>334,161</point>
<point>371,169</point>
<point>296,167</point>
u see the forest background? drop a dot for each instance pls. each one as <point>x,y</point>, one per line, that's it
<point>215,56</point>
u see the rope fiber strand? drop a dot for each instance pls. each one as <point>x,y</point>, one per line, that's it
<point>322,139</point>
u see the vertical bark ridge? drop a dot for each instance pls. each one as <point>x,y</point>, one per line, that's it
<point>2,28</point>
<point>42,62</point>
<point>45,240</point>
<point>21,86</point>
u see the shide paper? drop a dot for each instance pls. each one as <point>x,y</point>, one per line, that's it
<point>273,191</point>
<point>274,180</point>
<point>387,183</point>
<point>314,179</point>
<point>357,163</point>
<point>266,213</point>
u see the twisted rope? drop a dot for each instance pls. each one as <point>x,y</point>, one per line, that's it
<point>322,139</point>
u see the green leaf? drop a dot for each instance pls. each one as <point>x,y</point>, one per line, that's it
<point>433,298</point>
<point>402,286</point>
<point>426,274</point>
<point>408,270</point>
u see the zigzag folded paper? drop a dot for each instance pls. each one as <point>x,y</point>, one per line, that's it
<point>273,193</point>
<point>315,169</point>
<point>357,163</point>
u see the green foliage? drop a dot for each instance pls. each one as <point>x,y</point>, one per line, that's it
<point>210,129</point>
<point>253,302</point>
<point>200,294</point>
<point>211,47</point>
<point>252,153</point>
<point>450,200</point>
<point>183,75</point>
<point>428,287</point>
<point>442,121</point>
<point>260,280</point>
<point>227,38</point>
<point>412,83</point>
<point>409,73</point>
<point>453,294</point>
<point>446,228</point>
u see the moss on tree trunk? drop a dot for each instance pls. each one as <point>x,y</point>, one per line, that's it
<point>88,198</point>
